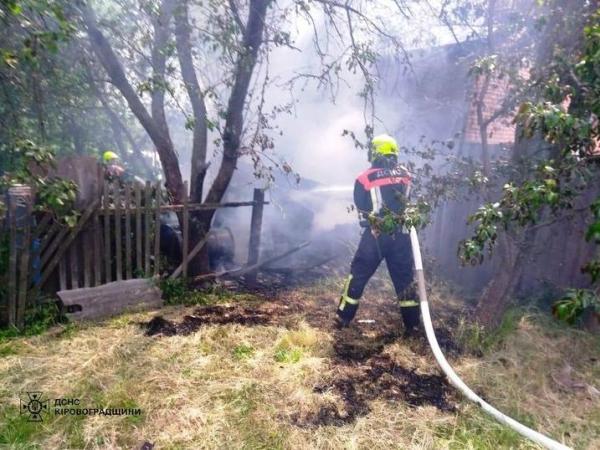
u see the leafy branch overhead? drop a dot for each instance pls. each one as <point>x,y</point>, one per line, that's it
<point>571,126</point>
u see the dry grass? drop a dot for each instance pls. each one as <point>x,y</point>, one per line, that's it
<point>237,386</point>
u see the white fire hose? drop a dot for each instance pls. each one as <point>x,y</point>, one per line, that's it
<point>452,376</point>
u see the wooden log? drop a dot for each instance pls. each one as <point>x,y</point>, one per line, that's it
<point>24,263</point>
<point>253,267</point>
<point>128,274</point>
<point>68,240</point>
<point>147,228</point>
<point>97,249</point>
<point>185,231</point>
<point>157,230</point>
<point>138,229</point>
<point>255,231</point>
<point>107,252</point>
<point>12,263</point>
<point>110,299</point>
<point>118,235</point>
<point>74,265</point>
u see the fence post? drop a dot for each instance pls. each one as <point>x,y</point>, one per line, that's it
<point>138,230</point>
<point>147,228</point>
<point>12,262</point>
<point>255,229</point>
<point>128,231</point>
<point>19,209</point>
<point>118,235</point>
<point>157,230</point>
<point>186,230</point>
<point>107,246</point>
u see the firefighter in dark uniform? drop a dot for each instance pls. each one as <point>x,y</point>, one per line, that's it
<point>382,189</point>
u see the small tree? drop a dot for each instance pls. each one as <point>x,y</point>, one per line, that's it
<point>236,38</point>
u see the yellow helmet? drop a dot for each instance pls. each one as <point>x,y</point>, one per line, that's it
<point>383,145</point>
<point>109,156</point>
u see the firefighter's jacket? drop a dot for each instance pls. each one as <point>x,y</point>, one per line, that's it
<point>381,189</point>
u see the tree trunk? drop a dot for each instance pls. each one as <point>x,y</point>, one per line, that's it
<point>498,294</point>
<point>234,119</point>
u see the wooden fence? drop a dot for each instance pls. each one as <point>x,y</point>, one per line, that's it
<point>117,237</point>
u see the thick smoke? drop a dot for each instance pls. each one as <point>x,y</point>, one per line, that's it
<point>312,142</point>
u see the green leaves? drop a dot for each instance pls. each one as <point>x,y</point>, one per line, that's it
<point>484,65</point>
<point>56,195</point>
<point>572,305</point>
<point>415,214</point>
<point>593,232</point>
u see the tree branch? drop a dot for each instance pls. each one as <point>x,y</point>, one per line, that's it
<point>115,71</point>
<point>235,109</point>
<point>236,15</point>
<point>158,61</point>
<point>200,132</point>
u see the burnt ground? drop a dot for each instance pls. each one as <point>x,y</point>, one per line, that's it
<point>360,369</point>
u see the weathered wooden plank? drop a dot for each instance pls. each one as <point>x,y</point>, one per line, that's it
<point>87,258</point>
<point>185,231</point>
<point>107,252</point>
<point>24,263</point>
<point>128,274</point>
<point>74,265</point>
<point>41,226</point>
<point>138,229</point>
<point>157,230</point>
<point>97,249</point>
<point>148,227</point>
<point>12,264</point>
<point>192,254</point>
<point>255,230</point>
<point>110,299</point>
<point>68,240</point>
<point>54,245</point>
<point>118,235</point>
<point>47,238</point>
<point>62,274</point>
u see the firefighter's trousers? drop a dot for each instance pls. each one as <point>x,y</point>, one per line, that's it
<point>397,252</point>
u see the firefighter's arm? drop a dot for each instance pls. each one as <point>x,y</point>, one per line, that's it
<point>362,200</point>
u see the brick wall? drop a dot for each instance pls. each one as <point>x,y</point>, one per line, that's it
<point>500,130</point>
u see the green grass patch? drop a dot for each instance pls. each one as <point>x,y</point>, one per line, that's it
<point>16,430</point>
<point>37,320</point>
<point>242,351</point>
<point>475,430</point>
<point>178,292</point>
<point>288,355</point>
<point>477,339</point>
<point>10,348</point>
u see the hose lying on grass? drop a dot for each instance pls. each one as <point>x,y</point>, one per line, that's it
<point>451,374</point>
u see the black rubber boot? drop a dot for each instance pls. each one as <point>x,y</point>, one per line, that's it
<point>411,318</point>
<point>346,313</point>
